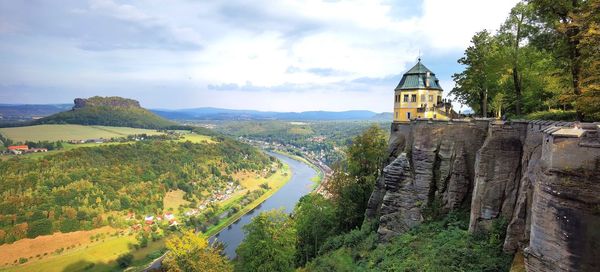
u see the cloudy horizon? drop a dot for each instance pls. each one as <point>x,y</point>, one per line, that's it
<point>265,55</point>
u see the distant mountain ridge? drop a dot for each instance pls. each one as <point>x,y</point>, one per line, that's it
<point>208,113</point>
<point>107,111</point>
<point>25,113</point>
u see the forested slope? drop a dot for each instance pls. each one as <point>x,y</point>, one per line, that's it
<point>86,187</point>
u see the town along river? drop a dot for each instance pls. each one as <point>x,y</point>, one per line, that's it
<point>286,198</point>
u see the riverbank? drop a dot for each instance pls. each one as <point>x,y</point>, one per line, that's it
<point>278,179</point>
<point>321,173</point>
<point>275,181</point>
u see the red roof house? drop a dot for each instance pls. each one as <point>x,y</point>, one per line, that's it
<point>18,147</point>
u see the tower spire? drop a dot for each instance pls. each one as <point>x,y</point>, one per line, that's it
<point>419,55</point>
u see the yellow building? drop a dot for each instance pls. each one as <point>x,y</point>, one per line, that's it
<point>419,95</point>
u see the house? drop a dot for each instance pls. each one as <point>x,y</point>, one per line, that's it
<point>149,219</point>
<point>18,147</point>
<point>169,216</point>
<point>419,95</point>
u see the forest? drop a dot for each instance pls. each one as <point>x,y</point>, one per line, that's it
<point>542,63</point>
<point>86,187</point>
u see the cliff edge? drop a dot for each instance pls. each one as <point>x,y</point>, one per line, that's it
<point>541,177</point>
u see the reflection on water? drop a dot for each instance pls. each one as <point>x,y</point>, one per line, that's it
<point>286,198</point>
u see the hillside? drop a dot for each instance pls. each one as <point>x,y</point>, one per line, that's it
<point>94,187</point>
<point>107,111</point>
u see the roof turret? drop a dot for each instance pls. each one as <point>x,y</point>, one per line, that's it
<point>419,77</point>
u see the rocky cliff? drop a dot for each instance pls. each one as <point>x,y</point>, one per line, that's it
<point>541,177</point>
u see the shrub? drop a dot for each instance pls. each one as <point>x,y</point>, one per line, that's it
<point>556,115</point>
<point>23,260</point>
<point>125,260</point>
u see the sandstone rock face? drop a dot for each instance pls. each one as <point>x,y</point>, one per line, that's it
<point>542,177</point>
<point>565,211</point>
<point>437,169</point>
<point>497,174</point>
<point>112,101</point>
<point>401,206</point>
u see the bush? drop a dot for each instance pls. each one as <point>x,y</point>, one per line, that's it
<point>23,260</point>
<point>125,260</point>
<point>556,115</point>
<point>440,245</point>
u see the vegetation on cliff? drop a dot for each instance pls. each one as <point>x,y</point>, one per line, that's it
<point>544,57</point>
<point>439,245</point>
<point>108,111</point>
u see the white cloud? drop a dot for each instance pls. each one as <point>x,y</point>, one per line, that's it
<point>289,54</point>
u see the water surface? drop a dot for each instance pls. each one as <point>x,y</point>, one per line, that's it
<point>286,197</point>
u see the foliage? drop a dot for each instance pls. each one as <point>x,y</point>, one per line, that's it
<point>352,183</point>
<point>557,115</point>
<point>544,57</point>
<point>190,252</point>
<point>77,189</point>
<point>125,260</point>
<point>314,218</point>
<point>441,245</point>
<point>269,243</point>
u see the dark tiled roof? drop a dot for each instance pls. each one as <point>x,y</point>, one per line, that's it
<point>415,79</point>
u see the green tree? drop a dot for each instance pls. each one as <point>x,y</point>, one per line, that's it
<point>190,252</point>
<point>315,221</point>
<point>478,83</point>
<point>125,260</point>
<point>353,180</point>
<point>518,27</point>
<point>269,244</point>
<point>563,36</point>
<point>588,21</point>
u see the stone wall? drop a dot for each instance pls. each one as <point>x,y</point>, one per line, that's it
<point>542,177</point>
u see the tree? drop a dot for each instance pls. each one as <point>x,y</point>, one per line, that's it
<point>353,180</point>
<point>269,244</point>
<point>125,260</point>
<point>315,221</point>
<point>190,252</point>
<point>478,83</point>
<point>518,27</point>
<point>559,18</point>
<point>588,20</point>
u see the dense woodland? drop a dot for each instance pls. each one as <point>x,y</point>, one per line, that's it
<point>543,63</point>
<point>85,188</point>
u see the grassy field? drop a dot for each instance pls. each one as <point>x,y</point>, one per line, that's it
<point>80,252</point>
<point>70,132</point>
<point>99,256</point>
<point>197,138</point>
<point>174,199</point>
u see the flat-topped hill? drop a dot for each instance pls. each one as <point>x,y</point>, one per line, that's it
<point>107,111</point>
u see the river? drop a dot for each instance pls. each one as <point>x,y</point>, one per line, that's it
<point>286,197</point>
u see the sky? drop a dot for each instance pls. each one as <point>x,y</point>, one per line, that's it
<point>283,55</point>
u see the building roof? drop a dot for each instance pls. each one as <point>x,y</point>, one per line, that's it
<point>416,78</point>
<point>18,147</point>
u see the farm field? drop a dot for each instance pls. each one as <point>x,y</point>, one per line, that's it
<point>70,132</point>
<point>98,256</point>
<point>174,199</point>
<point>197,138</point>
